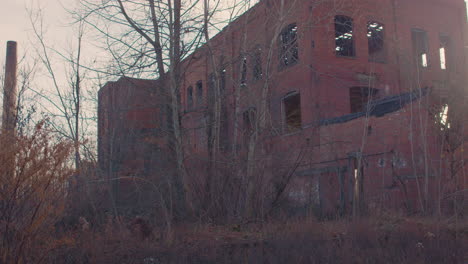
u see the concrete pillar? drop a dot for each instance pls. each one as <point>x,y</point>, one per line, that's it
<point>10,89</point>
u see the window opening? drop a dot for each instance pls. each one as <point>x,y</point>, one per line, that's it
<point>257,68</point>
<point>244,71</point>
<point>344,39</point>
<point>292,112</point>
<point>289,48</point>
<point>375,40</point>
<point>443,51</point>
<point>199,87</point>
<point>222,74</point>
<point>442,118</point>
<point>360,97</point>
<point>190,97</point>
<point>420,47</point>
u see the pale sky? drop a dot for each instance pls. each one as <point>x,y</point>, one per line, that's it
<point>15,24</point>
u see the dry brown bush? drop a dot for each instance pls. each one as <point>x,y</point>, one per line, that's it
<point>34,175</point>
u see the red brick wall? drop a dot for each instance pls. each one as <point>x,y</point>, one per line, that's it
<point>401,147</point>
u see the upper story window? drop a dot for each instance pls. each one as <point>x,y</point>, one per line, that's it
<point>257,64</point>
<point>344,39</point>
<point>199,87</point>
<point>243,81</point>
<point>289,47</point>
<point>420,47</point>
<point>222,74</point>
<point>360,96</point>
<point>375,40</point>
<point>444,51</point>
<point>292,112</point>
<point>190,97</point>
<point>442,117</point>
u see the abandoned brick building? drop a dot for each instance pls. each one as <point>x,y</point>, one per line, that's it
<point>351,98</point>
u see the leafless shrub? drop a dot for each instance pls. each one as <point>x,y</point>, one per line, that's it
<point>32,199</point>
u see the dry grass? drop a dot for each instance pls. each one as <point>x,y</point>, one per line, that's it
<point>368,240</point>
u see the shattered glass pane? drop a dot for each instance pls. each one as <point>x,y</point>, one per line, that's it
<point>344,40</point>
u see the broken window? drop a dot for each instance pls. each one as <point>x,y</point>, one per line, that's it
<point>375,40</point>
<point>243,81</point>
<point>199,86</point>
<point>257,68</point>
<point>292,112</point>
<point>344,40</point>
<point>420,47</point>
<point>289,48</point>
<point>443,51</point>
<point>222,74</point>
<point>360,96</point>
<point>190,97</point>
<point>442,118</point>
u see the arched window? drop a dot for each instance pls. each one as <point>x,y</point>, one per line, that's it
<point>289,48</point>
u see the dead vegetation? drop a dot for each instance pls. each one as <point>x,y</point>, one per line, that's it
<point>43,222</point>
<point>385,239</point>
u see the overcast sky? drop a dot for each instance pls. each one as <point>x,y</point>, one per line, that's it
<point>15,25</point>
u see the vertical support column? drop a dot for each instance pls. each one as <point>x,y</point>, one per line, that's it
<point>10,90</point>
<point>341,178</point>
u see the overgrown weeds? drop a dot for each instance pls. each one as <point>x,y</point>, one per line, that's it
<point>36,227</point>
<point>367,240</point>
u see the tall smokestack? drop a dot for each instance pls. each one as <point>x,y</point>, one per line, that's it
<point>10,91</point>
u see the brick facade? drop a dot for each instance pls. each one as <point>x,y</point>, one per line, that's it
<point>365,129</point>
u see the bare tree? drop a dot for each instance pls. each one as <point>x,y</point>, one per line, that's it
<point>152,38</point>
<point>66,104</point>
